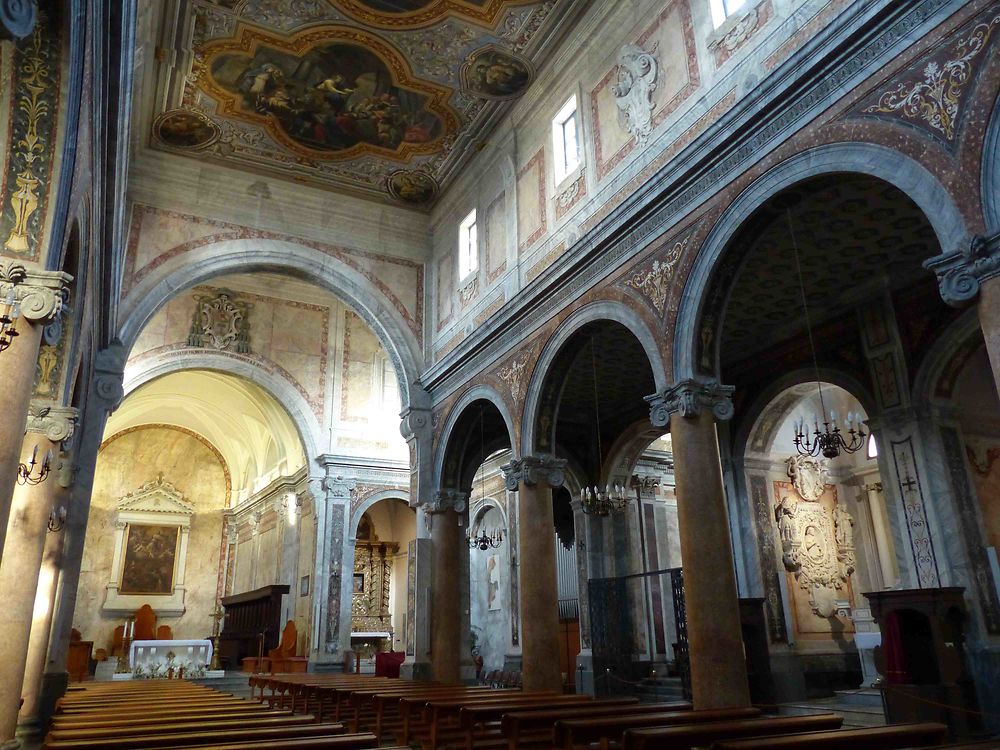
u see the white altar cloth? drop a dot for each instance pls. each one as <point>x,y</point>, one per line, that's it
<point>192,655</point>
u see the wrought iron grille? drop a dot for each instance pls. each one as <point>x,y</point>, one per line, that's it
<point>681,653</point>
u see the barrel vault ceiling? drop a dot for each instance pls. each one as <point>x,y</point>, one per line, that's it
<point>383,98</point>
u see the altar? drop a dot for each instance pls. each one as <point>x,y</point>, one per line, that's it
<point>174,659</point>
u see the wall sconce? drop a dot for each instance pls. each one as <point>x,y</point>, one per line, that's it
<point>57,519</point>
<point>8,319</point>
<point>25,473</point>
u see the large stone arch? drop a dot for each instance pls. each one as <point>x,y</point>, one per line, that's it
<point>242,255</point>
<point>901,171</point>
<point>990,180</point>
<point>595,311</point>
<point>301,414</point>
<point>368,502</point>
<point>479,392</point>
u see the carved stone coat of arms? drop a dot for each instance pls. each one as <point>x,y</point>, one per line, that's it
<point>220,322</point>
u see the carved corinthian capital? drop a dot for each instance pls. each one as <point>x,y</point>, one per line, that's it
<point>17,18</point>
<point>534,470</point>
<point>41,293</point>
<point>688,398</point>
<point>447,499</point>
<point>55,422</point>
<point>962,272</point>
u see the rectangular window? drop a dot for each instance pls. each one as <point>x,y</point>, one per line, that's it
<point>565,141</point>
<point>723,9</point>
<point>468,247</point>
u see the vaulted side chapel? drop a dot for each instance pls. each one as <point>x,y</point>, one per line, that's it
<point>638,359</point>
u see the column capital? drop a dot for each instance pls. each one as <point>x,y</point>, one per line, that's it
<point>645,482</point>
<point>339,487</point>
<point>416,422</point>
<point>447,499</point>
<point>55,422</point>
<point>534,470</point>
<point>41,293</point>
<point>961,273</point>
<point>17,19</point>
<point>109,374</point>
<point>688,398</point>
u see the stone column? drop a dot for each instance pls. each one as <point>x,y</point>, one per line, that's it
<point>963,276</point>
<point>715,641</point>
<point>103,397</point>
<point>19,569</point>
<point>40,294</point>
<point>533,478</point>
<point>447,547</point>
<point>334,556</point>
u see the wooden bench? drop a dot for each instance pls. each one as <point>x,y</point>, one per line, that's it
<point>570,733</point>
<point>687,737</point>
<point>168,737</point>
<point>342,742</point>
<point>64,730</point>
<point>890,737</point>
<point>442,715</point>
<point>527,723</point>
<point>172,725</point>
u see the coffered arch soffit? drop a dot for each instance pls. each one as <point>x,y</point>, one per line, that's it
<point>353,288</point>
<point>884,164</point>
<point>604,310</point>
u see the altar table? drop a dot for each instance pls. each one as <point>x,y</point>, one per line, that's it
<point>193,656</point>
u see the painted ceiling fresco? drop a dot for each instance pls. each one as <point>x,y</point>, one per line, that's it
<point>380,97</point>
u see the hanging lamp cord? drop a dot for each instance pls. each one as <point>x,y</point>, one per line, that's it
<point>805,311</point>
<point>597,413</point>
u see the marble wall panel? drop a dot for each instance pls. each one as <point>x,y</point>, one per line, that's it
<point>531,207</point>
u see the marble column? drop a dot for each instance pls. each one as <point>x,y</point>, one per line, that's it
<point>19,569</point>
<point>40,295</point>
<point>533,478</point>
<point>715,640</point>
<point>45,599</point>
<point>103,396</point>
<point>447,547</point>
<point>971,273</point>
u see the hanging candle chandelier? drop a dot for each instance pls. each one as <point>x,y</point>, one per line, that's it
<point>486,541</point>
<point>613,498</point>
<point>8,319</point>
<point>830,440</point>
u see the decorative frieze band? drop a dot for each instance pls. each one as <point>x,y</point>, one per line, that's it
<point>55,422</point>
<point>40,293</point>
<point>961,273</point>
<point>688,398</point>
<point>534,470</point>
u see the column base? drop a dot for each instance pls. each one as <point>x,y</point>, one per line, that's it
<point>417,670</point>
<point>13,744</point>
<point>30,728</point>
<point>53,688</point>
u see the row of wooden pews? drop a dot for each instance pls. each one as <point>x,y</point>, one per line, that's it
<point>176,714</point>
<point>435,716</point>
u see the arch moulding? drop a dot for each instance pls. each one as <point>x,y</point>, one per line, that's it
<point>478,392</point>
<point>353,288</point>
<point>301,414</point>
<point>595,311</point>
<point>368,502</point>
<point>903,172</point>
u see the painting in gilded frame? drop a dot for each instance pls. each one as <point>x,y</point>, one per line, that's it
<point>149,560</point>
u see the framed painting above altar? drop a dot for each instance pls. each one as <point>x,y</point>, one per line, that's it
<point>150,557</point>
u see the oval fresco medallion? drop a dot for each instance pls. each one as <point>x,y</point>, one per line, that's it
<point>325,97</point>
<point>412,187</point>
<point>492,73</point>
<point>181,128</point>
<point>416,13</point>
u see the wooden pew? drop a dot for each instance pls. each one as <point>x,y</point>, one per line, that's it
<point>687,737</point>
<point>181,718</point>
<point>570,733</point>
<point>342,742</point>
<point>890,737</point>
<point>289,733</point>
<point>170,724</point>
<point>384,705</point>
<point>443,713</point>
<point>412,713</point>
<point>531,723</point>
